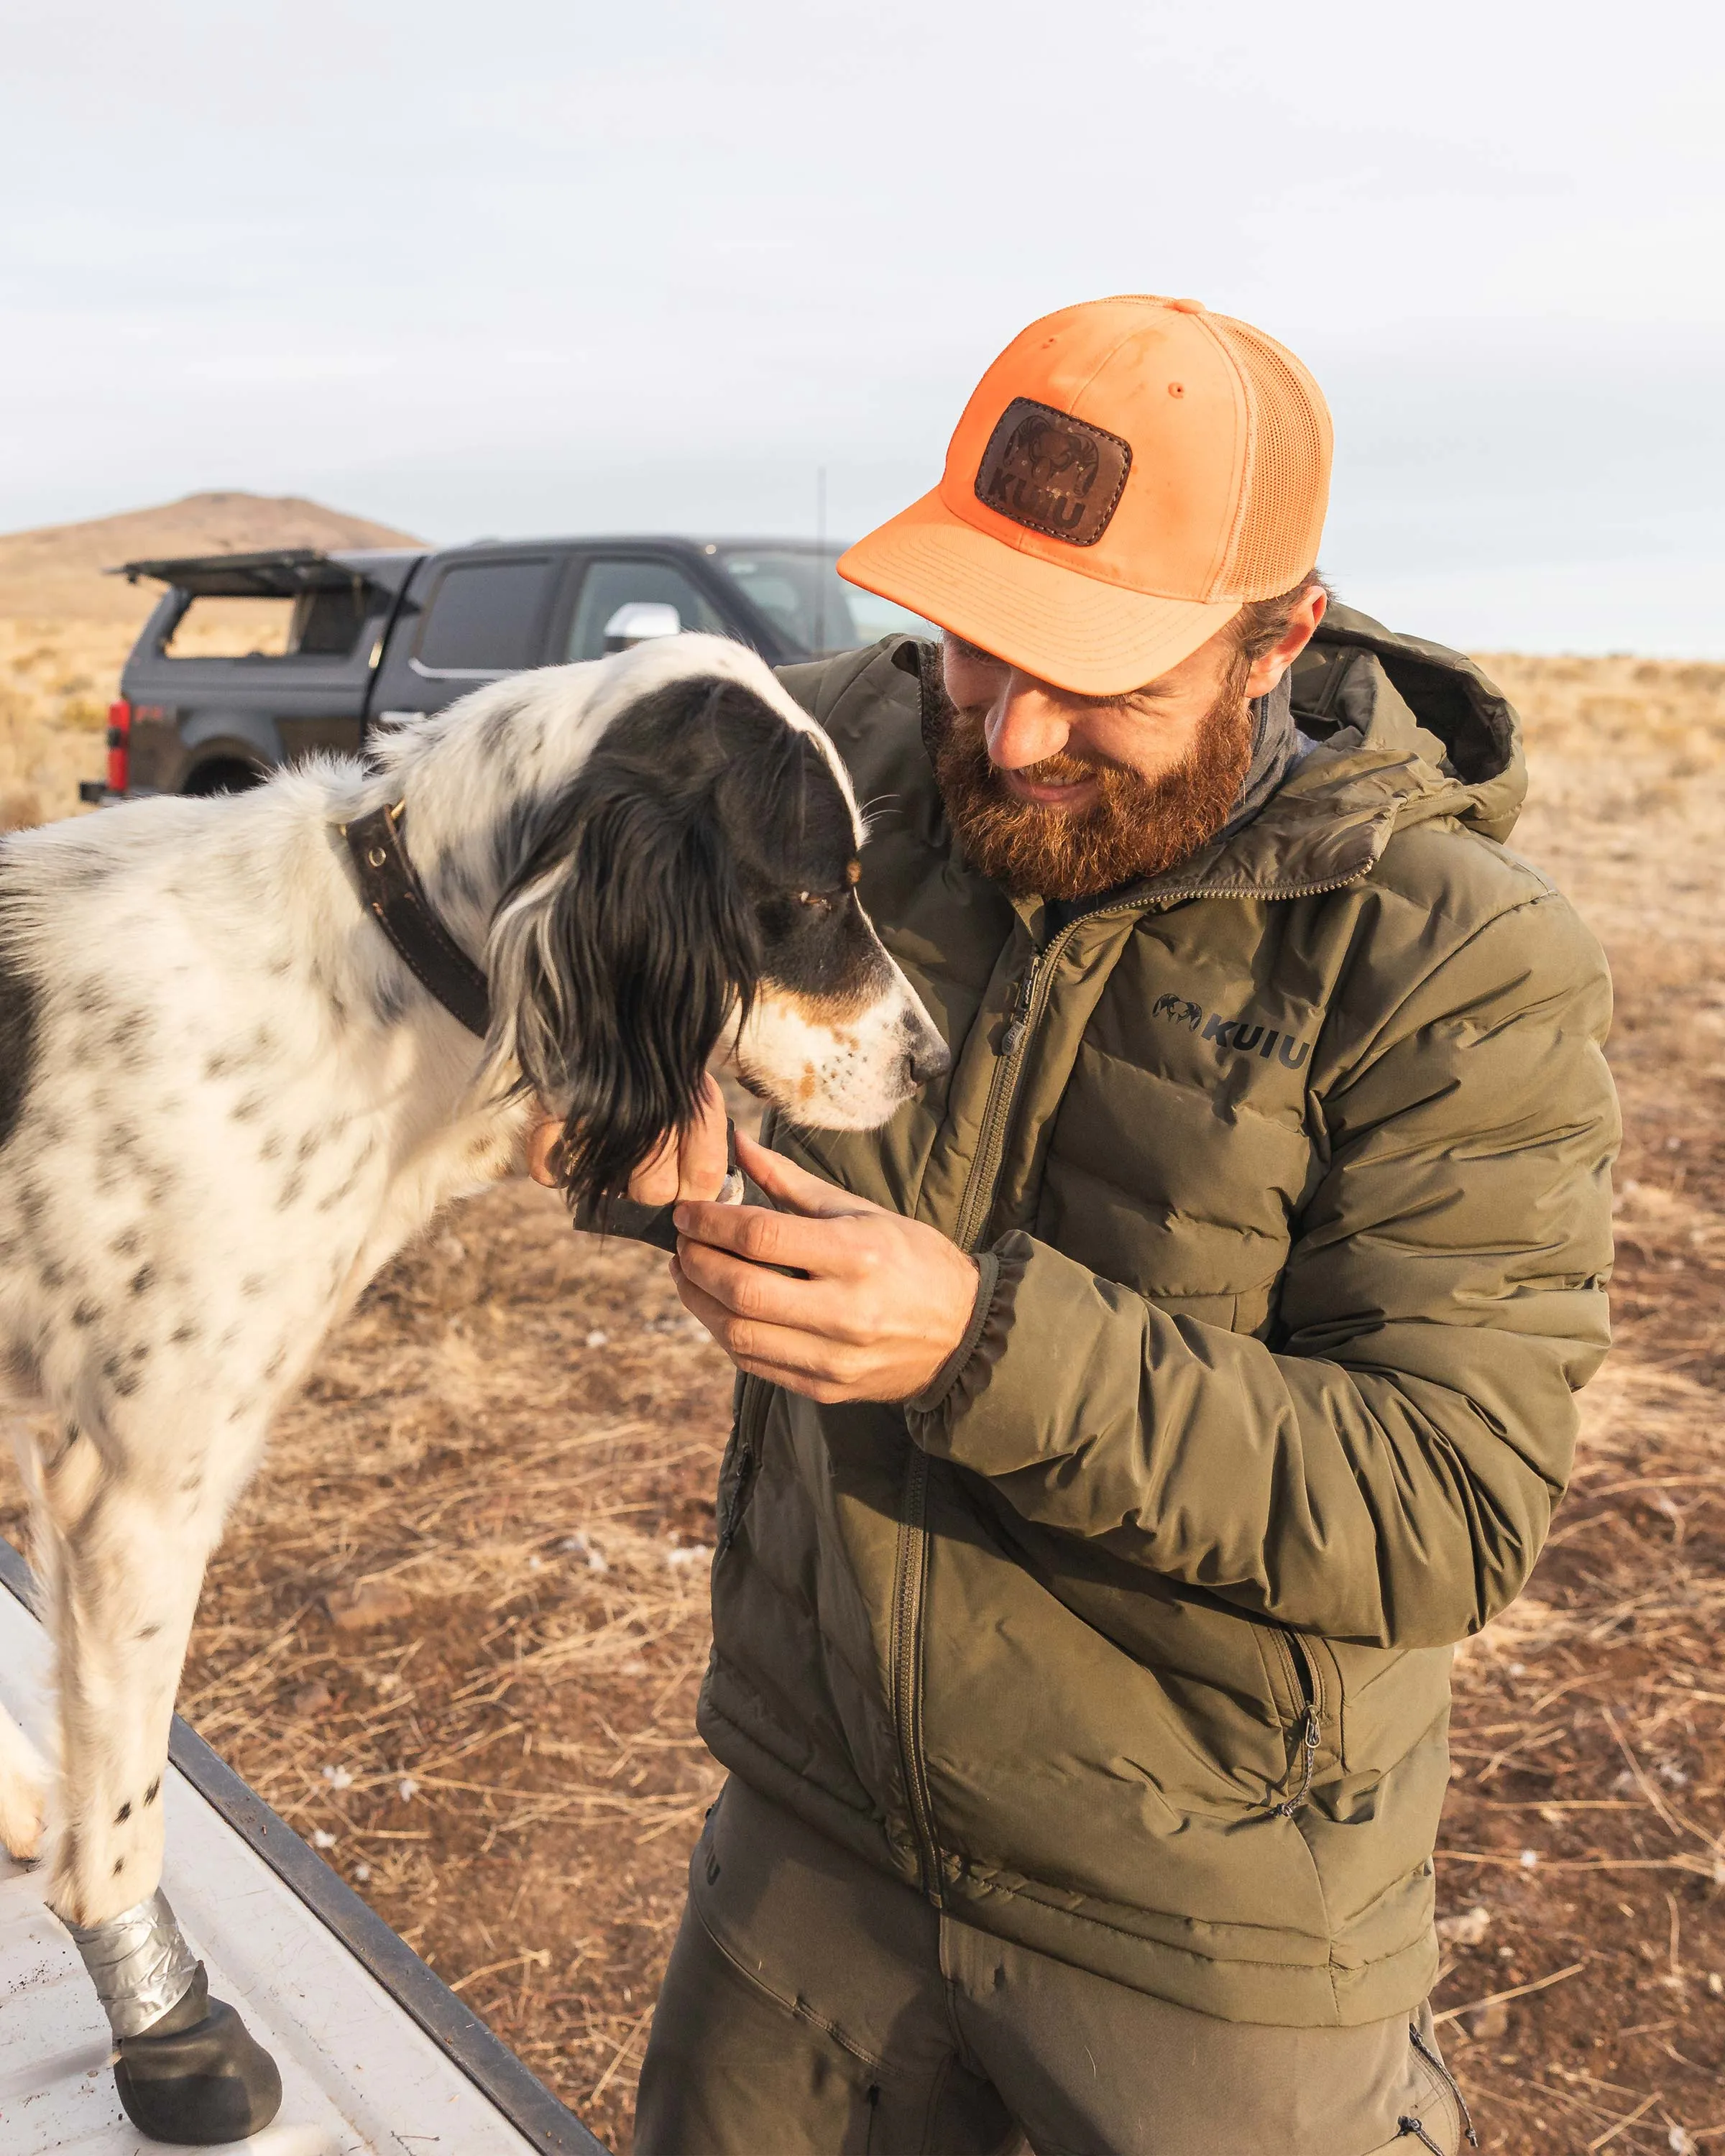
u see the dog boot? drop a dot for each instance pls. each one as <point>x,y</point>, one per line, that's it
<point>196,2077</point>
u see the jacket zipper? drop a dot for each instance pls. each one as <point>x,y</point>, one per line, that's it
<point>1310,1727</point>
<point>751,1415</point>
<point>911,1573</point>
<point>1028,1004</point>
<point>908,1585</point>
<point>1003,1083</point>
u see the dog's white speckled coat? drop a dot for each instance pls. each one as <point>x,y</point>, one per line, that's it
<point>232,1103</point>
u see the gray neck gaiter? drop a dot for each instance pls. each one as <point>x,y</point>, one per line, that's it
<point>1275,744</point>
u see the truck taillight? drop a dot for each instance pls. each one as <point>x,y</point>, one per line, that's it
<point>118,745</point>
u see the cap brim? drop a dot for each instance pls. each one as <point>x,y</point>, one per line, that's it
<point>1057,623</point>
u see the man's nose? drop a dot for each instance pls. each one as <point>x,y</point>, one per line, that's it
<point>1026,723</point>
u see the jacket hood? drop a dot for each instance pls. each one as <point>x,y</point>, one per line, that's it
<point>1363,690</point>
<point>1407,732</point>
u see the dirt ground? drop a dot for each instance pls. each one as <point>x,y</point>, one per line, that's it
<point>455,1633</point>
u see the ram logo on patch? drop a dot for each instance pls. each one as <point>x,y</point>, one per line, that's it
<point>1052,473</point>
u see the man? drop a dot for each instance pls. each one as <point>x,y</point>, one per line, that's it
<point>1128,1432</point>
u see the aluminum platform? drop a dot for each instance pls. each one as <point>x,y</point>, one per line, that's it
<point>377,2056</point>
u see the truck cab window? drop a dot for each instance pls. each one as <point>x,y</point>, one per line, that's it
<point>622,602</point>
<point>484,617</point>
<point>810,604</point>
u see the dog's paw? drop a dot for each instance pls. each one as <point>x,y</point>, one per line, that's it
<point>23,1787</point>
<point>23,1812</point>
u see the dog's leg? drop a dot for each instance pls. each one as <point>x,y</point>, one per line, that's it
<point>24,1775</point>
<point>122,1556</point>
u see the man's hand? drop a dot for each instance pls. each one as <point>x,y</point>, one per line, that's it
<point>885,1303</point>
<point>688,1164</point>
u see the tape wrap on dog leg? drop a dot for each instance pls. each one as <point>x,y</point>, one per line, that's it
<point>139,1962</point>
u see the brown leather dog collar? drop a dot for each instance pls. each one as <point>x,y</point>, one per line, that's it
<point>398,902</point>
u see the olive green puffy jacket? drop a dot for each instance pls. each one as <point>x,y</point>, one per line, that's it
<point>1130,1640</point>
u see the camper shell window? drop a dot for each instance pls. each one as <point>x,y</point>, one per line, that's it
<point>290,604</point>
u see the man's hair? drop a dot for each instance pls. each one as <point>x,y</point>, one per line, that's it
<point>1261,624</point>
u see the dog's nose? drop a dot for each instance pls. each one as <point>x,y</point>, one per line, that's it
<point>929,1057</point>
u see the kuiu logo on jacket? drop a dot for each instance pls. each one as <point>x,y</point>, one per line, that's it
<point>1234,1032</point>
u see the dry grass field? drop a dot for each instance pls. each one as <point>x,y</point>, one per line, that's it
<point>455,1633</point>
<point>66,624</point>
<point>57,679</point>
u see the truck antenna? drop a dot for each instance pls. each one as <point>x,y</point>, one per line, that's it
<point>820,549</point>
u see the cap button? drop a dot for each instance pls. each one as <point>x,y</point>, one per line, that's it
<point>1189,306</point>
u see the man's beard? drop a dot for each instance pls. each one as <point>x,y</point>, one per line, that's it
<point>1134,827</point>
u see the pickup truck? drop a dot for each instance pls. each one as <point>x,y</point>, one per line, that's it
<point>250,661</point>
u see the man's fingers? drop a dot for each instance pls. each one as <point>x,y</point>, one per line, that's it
<point>690,1162</point>
<point>795,1187</point>
<point>703,1154</point>
<point>763,1237</point>
<point>752,1292</point>
<point>788,1355</point>
<point>654,1181</point>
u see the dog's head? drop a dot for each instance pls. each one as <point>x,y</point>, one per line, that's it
<point>693,886</point>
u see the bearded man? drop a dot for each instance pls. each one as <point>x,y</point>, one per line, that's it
<point>1128,1432</point>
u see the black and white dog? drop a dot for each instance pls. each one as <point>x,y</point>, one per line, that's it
<point>226,1099</point>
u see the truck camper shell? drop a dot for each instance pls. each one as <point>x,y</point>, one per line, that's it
<point>252,661</point>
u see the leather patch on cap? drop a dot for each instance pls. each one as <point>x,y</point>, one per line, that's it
<point>1052,473</point>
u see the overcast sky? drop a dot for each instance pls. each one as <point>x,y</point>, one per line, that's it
<point>539,265</point>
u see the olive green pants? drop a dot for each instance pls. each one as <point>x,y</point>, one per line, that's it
<point>813,2004</point>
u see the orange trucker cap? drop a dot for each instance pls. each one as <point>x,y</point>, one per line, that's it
<point>1128,474</point>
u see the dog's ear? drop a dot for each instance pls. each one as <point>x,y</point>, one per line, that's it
<point>622,948</point>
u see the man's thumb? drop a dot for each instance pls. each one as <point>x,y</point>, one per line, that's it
<point>794,1188</point>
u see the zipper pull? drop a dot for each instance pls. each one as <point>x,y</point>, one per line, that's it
<point>1311,1737</point>
<point>1019,1024</point>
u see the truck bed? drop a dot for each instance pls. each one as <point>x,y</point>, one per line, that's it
<point>377,2056</point>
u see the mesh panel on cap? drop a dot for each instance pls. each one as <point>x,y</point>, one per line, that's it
<point>1288,480</point>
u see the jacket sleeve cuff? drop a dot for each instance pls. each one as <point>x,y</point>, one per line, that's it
<point>996,1409</point>
<point>928,1401</point>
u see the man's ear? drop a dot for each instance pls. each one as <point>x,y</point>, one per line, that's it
<point>615,960</point>
<point>1302,625</point>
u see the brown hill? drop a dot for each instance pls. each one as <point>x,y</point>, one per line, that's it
<point>55,573</point>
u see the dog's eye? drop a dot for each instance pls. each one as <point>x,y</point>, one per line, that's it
<point>815,898</point>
